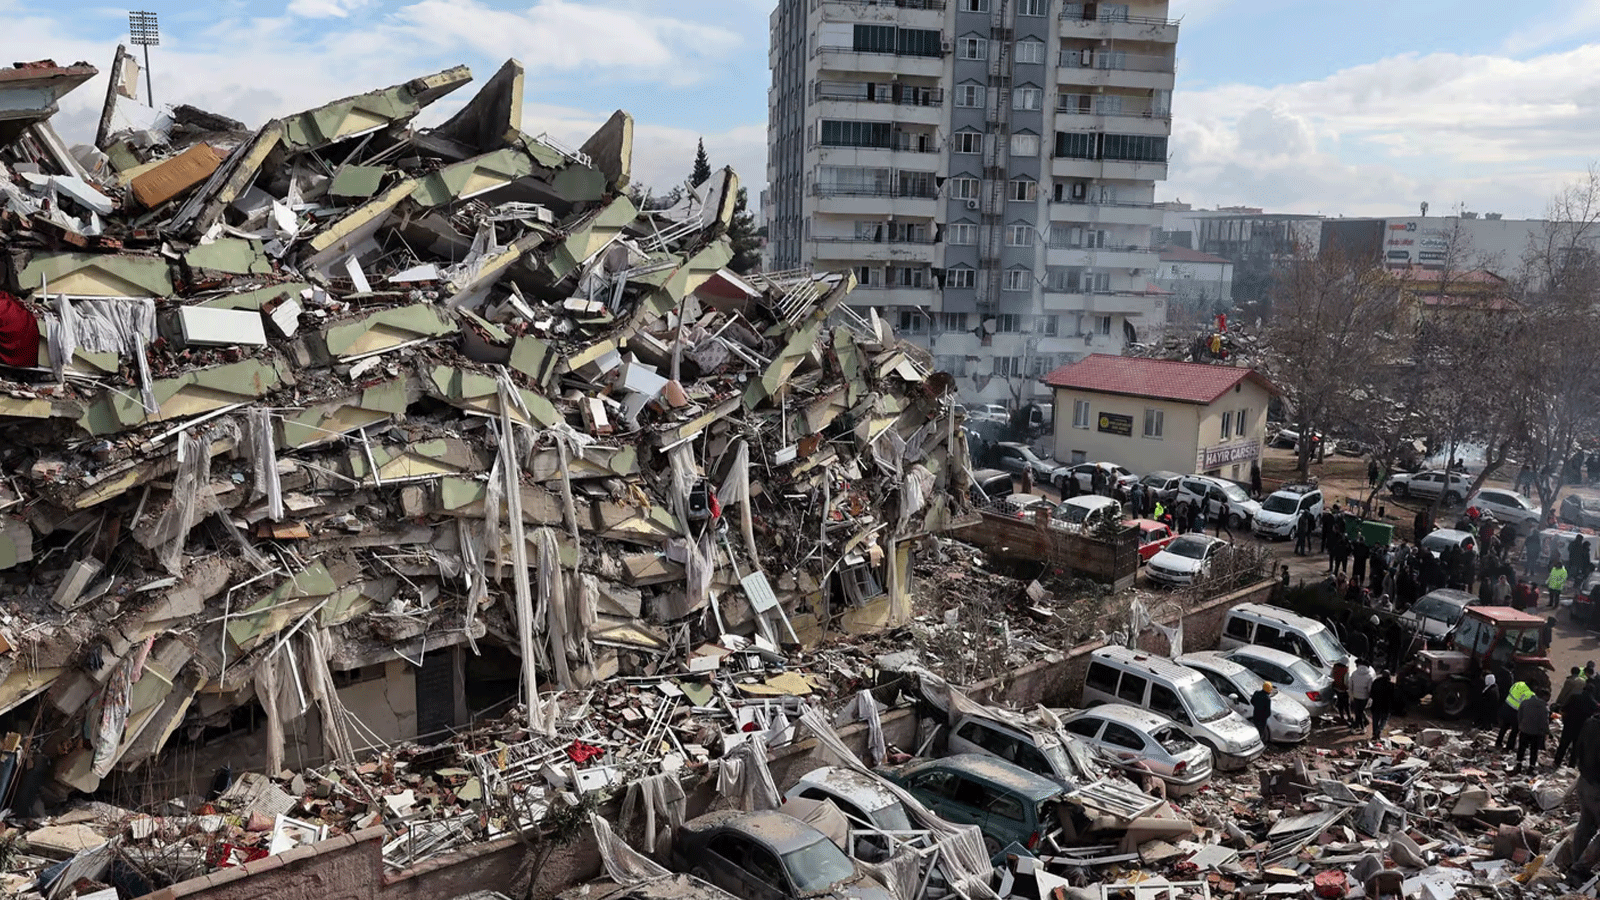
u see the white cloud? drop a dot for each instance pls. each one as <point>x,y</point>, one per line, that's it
<point>324,9</point>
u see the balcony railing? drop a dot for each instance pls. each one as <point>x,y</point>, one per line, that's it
<point>1103,105</point>
<point>898,4</point>
<point>851,239</point>
<point>1116,61</point>
<point>1092,201</point>
<point>898,147</point>
<point>865,93</point>
<point>841,190</point>
<point>1074,12</point>
<point>908,54</point>
<point>1105,248</point>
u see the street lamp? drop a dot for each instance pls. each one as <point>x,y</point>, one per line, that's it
<point>144,31</point>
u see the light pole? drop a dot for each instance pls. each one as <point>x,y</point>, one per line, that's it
<point>144,31</point>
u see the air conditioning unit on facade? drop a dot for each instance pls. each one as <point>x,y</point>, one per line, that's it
<point>972,204</point>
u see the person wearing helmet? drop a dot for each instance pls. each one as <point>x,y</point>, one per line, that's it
<point>1261,708</point>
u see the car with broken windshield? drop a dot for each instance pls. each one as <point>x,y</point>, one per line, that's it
<point>770,856</point>
<point>1009,804</point>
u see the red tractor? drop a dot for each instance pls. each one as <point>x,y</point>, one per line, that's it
<point>1484,637</point>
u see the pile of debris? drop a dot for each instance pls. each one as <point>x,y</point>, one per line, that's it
<point>288,404</point>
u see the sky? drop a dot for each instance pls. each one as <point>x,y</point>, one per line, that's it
<point>1355,107</point>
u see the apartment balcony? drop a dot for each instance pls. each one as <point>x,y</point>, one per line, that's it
<point>1114,170</point>
<point>1115,69</point>
<point>1123,303</point>
<point>849,249</point>
<point>1142,258</point>
<point>1131,119</point>
<point>1108,26</point>
<point>874,201</point>
<point>917,160</point>
<point>1105,213</point>
<point>846,60</point>
<point>850,101</point>
<point>895,295</point>
<point>909,13</point>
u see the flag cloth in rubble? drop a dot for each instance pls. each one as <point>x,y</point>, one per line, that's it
<point>19,333</point>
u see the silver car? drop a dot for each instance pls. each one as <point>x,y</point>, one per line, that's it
<point>1302,681</point>
<point>1289,724</point>
<point>1134,738</point>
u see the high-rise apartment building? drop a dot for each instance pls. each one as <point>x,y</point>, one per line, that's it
<point>986,167</point>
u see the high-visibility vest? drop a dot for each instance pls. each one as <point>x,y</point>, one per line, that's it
<point>1519,692</point>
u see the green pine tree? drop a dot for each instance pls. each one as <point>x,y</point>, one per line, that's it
<point>744,237</point>
<point>702,165</point>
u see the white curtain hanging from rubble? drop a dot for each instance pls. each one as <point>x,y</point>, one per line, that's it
<point>264,462</point>
<point>191,501</point>
<point>108,715</point>
<point>657,796</point>
<point>319,678</point>
<point>270,695</point>
<point>744,777</point>
<point>736,490</point>
<point>553,600</point>
<point>622,863</point>
<point>102,325</point>
<point>1140,619</point>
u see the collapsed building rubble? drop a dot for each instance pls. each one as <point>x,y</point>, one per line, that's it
<point>342,393</point>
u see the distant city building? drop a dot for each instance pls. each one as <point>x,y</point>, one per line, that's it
<point>987,168</point>
<point>1255,241</point>
<point>1199,284</point>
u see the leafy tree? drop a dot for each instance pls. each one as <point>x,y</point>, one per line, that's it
<point>702,165</point>
<point>743,235</point>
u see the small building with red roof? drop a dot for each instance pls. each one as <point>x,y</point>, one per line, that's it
<point>1160,415</point>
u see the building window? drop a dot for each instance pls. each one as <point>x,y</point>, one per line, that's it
<point>1031,7</point>
<point>869,231</point>
<point>961,234</point>
<point>1018,280</point>
<point>1019,235</point>
<point>1076,145</point>
<point>1024,145</point>
<point>1049,325</point>
<point>1135,147</point>
<point>908,233</point>
<point>968,142</point>
<point>960,278</point>
<point>969,95</point>
<point>952,323</point>
<point>857,134</point>
<point>1008,366</point>
<point>912,321</point>
<point>1080,414</point>
<point>955,365</point>
<point>974,5</point>
<point>1007,323</point>
<point>869,276</point>
<point>1153,423</point>
<point>963,188</point>
<point>973,48</point>
<point>1027,98</point>
<point>1022,189</point>
<point>1227,424</point>
<point>920,42</point>
<point>1030,52</point>
<point>916,184</point>
<point>873,39</point>
<point>908,276</point>
<point>1241,423</point>
<point>1103,324</point>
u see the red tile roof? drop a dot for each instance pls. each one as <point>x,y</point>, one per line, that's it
<point>1184,254</point>
<point>1161,379</point>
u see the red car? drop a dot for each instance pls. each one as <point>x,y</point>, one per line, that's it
<point>1153,537</point>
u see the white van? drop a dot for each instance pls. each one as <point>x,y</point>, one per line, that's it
<point>1089,513</point>
<point>1272,626</point>
<point>1120,675</point>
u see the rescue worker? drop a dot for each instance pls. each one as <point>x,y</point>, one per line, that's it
<point>1556,581</point>
<point>1533,725</point>
<point>1515,697</point>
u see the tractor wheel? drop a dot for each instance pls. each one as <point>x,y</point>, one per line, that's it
<point>1451,699</point>
<point>1536,677</point>
<point>1413,686</point>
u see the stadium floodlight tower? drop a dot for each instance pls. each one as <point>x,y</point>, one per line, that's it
<point>144,31</point>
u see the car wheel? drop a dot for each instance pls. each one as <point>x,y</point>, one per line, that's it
<point>1452,498</point>
<point>1235,521</point>
<point>991,846</point>
<point>1401,491</point>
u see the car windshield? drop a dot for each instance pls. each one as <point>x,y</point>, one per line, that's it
<point>1172,739</point>
<point>1234,492</point>
<point>1304,672</point>
<point>1327,647</point>
<point>1156,481</point>
<point>892,818</point>
<point>1281,503</point>
<point>1072,513</point>
<point>1247,682</point>
<point>1189,547</point>
<point>817,866</point>
<point>1437,608</point>
<point>1438,542</point>
<point>1205,704</point>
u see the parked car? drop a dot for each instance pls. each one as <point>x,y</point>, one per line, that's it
<point>1272,626</point>
<point>1136,739</point>
<point>864,799</point>
<point>1289,724</point>
<point>1289,439</point>
<point>1025,506</point>
<point>1212,493</point>
<point>1009,804</point>
<point>1083,473</point>
<point>1507,506</point>
<point>1579,510</point>
<point>989,485</point>
<point>1281,511</point>
<point>1162,485</point>
<point>1429,485</point>
<point>1436,613</point>
<point>770,856</point>
<point>1018,458</point>
<point>1153,537</point>
<point>1439,539</point>
<point>1303,682</point>
<point>1187,558</point>
<point>671,886</point>
<point>1085,513</point>
<point>1119,675</point>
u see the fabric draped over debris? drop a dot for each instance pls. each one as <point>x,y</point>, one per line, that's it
<point>291,403</point>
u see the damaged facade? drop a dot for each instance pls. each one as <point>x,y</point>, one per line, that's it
<point>339,432</point>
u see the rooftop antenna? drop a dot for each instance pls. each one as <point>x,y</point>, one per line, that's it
<point>144,32</point>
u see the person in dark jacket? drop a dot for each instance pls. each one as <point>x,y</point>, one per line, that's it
<point>1382,703</point>
<point>1533,726</point>
<point>1327,535</point>
<point>1578,708</point>
<point>1302,533</point>
<point>1586,837</point>
<point>1255,480</point>
<point>1261,708</point>
<point>1358,553</point>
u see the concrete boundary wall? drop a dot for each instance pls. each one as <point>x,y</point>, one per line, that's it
<point>350,867</point>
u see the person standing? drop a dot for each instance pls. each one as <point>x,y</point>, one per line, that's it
<point>1382,703</point>
<point>1255,479</point>
<point>1586,837</point>
<point>1530,556</point>
<point>1487,703</point>
<point>1359,552</point>
<point>1533,725</point>
<point>1574,713</point>
<point>1572,686</point>
<point>1327,535</point>
<point>1556,581</point>
<point>1136,498</point>
<point>1339,552</point>
<point>1341,693</point>
<point>1223,523</point>
<point>1360,691</point>
<point>1261,709</point>
<point>1502,592</point>
<point>1372,473</point>
<point>1509,715</point>
<point>1302,533</point>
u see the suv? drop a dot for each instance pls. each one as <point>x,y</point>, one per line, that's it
<point>1271,626</point>
<point>1213,492</point>
<point>1007,803</point>
<point>1119,675</point>
<point>1079,514</point>
<point>1162,485</point>
<point>1428,485</point>
<point>1281,511</point>
<point>1083,473</point>
<point>1017,458</point>
<point>1507,506</point>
